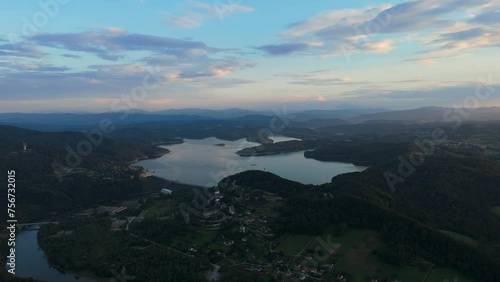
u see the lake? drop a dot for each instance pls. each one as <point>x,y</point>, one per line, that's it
<point>197,162</point>
<point>201,162</point>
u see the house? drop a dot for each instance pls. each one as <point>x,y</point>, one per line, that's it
<point>276,273</point>
<point>209,213</point>
<point>231,209</point>
<point>166,191</point>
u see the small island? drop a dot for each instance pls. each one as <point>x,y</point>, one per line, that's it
<point>170,141</point>
<point>273,148</point>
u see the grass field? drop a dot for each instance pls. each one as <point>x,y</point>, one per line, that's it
<point>348,241</point>
<point>446,274</point>
<point>203,237</point>
<point>194,238</point>
<point>460,237</point>
<point>161,208</point>
<point>410,273</point>
<point>356,258</point>
<point>268,211</point>
<point>293,244</point>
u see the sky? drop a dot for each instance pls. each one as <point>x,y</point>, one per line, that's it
<point>101,56</point>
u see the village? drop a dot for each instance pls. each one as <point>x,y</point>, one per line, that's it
<point>235,230</point>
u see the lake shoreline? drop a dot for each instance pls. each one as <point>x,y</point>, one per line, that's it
<point>199,162</point>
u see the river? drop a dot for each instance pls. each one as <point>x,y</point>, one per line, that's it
<point>31,260</point>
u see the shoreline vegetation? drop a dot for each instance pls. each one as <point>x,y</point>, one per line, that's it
<point>150,156</point>
<point>160,152</point>
<point>169,142</point>
<point>273,148</point>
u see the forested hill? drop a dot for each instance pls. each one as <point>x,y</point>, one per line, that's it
<point>450,193</point>
<point>47,182</point>
<point>52,144</point>
<point>444,193</point>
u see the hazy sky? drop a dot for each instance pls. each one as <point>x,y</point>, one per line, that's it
<point>94,55</point>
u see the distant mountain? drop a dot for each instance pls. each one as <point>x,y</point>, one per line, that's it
<point>217,114</point>
<point>320,123</point>
<point>69,121</point>
<point>431,114</point>
<point>330,114</point>
<point>306,119</point>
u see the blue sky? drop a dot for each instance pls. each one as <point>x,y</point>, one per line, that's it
<point>75,55</point>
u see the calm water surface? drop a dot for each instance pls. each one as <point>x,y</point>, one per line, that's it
<point>31,260</point>
<point>197,162</point>
<point>200,162</point>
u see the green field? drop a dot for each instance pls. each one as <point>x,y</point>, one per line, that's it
<point>410,273</point>
<point>293,244</point>
<point>203,237</point>
<point>447,275</point>
<point>403,274</point>
<point>348,241</point>
<point>161,208</point>
<point>269,211</point>
<point>355,256</point>
<point>461,237</point>
<point>199,238</point>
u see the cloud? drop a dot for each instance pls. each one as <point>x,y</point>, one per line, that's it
<point>21,50</point>
<point>181,21</point>
<point>111,45</point>
<point>194,13</point>
<point>71,56</point>
<point>320,98</point>
<point>24,66</point>
<point>469,38</point>
<point>461,35</point>
<point>432,60</point>
<point>382,46</point>
<point>283,49</point>
<point>39,82</point>
<point>487,18</point>
<point>324,81</point>
<point>215,69</point>
<point>335,18</point>
<point>375,29</point>
<point>183,65</point>
<point>318,78</point>
<point>120,69</point>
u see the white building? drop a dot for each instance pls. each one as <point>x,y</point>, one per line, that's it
<point>166,191</point>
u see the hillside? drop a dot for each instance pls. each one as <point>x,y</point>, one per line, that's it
<point>410,219</point>
<point>432,114</point>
